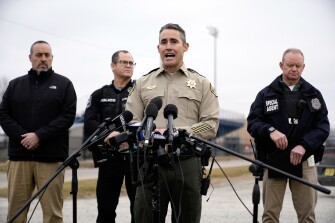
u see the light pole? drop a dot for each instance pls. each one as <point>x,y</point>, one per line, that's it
<point>214,32</point>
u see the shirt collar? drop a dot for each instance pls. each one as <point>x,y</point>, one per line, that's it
<point>286,88</point>
<point>182,69</point>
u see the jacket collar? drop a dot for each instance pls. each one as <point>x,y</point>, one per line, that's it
<point>43,75</point>
<point>277,86</point>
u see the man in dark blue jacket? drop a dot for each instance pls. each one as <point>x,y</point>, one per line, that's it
<point>289,122</point>
<point>36,112</point>
<point>109,102</point>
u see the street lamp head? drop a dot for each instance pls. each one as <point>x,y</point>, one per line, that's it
<point>213,31</point>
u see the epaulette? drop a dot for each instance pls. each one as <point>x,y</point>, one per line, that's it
<point>151,71</point>
<point>193,71</point>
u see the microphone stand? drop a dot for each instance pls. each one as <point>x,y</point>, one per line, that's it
<point>74,187</point>
<point>74,164</point>
<point>257,170</point>
<point>156,211</point>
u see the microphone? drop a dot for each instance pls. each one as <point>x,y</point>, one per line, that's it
<point>118,139</point>
<point>113,124</point>
<point>157,101</point>
<point>119,121</point>
<point>170,113</point>
<point>151,114</point>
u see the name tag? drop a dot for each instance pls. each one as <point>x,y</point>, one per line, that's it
<point>107,100</point>
<point>271,105</point>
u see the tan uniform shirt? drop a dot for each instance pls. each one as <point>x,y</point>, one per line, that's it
<point>191,93</point>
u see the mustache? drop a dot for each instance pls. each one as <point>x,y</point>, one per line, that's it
<point>43,63</point>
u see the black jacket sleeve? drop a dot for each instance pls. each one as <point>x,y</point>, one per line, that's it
<point>92,113</point>
<point>8,123</point>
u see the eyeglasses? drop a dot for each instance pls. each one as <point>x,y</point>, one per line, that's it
<point>127,63</point>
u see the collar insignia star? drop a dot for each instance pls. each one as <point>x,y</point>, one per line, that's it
<point>191,84</point>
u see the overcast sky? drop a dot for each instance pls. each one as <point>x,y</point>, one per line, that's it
<point>252,36</point>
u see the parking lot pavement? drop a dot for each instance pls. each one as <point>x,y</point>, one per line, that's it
<point>222,206</point>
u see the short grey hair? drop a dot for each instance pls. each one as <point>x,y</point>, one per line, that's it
<point>292,50</point>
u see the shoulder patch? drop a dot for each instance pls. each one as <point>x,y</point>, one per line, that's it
<point>213,90</point>
<point>89,102</point>
<point>151,71</point>
<point>314,104</point>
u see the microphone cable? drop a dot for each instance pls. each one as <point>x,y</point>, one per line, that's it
<point>38,201</point>
<point>173,206</point>
<point>231,185</point>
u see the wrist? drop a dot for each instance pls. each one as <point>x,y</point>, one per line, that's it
<point>271,130</point>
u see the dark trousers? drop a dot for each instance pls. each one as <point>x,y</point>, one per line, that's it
<point>179,187</point>
<point>110,180</point>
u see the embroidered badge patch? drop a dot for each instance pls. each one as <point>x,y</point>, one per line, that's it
<point>129,90</point>
<point>132,89</point>
<point>89,102</point>
<point>213,90</point>
<point>316,103</point>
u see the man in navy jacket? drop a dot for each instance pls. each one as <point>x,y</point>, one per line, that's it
<point>289,122</point>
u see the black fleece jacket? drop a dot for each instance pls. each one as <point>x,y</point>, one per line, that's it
<point>44,104</point>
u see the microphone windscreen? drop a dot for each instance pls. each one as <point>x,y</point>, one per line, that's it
<point>170,109</point>
<point>127,115</point>
<point>151,110</point>
<point>157,101</point>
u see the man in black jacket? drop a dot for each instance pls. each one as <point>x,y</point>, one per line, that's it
<point>108,102</point>
<point>289,122</point>
<point>36,113</point>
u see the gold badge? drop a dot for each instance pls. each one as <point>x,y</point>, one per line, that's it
<point>191,83</point>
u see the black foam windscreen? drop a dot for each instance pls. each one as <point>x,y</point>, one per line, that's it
<point>157,101</point>
<point>170,109</point>
<point>127,115</point>
<point>151,110</point>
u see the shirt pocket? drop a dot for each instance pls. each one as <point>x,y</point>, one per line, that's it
<point>150,94</point>
<point>189,104</point>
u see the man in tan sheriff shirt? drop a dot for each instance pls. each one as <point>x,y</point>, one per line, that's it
<point>198,113</point>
